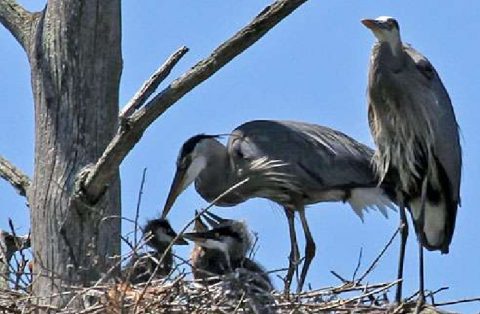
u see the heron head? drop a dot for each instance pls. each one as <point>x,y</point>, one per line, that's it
<point>191,160</point>
<point>385,29</point>
<point>160,233</point>
<point>232,238</point>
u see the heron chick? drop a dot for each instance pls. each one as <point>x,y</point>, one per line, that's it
<point>291,163</point>
<point>223,249</point>
<point>414,127</point>
<point>158,234</point>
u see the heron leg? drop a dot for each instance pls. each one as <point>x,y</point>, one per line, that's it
<point>294,254</point>
<point>309,248</point>
<point>421,288</point>
<point>404,235</point>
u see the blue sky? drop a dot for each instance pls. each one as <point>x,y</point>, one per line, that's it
<point>312,67</point>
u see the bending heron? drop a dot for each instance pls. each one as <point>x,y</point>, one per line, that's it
<point>414,127</point>
<point>291,163</point>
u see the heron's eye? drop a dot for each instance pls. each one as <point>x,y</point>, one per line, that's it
<point>185,162</point>
<point>392,24</point>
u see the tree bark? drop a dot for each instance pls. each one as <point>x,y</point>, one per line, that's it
<point>75,59</point>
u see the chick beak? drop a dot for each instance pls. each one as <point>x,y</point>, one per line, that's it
<point>197,237</point>
<point>180,241</point>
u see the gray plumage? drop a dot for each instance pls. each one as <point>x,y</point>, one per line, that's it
<point>414,127</point>
<point>291,163</point>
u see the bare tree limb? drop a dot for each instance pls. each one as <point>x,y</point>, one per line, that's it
<point>126,138</point>
<point>20,181</point>
<point>17,20</point>
<point>149,87</point>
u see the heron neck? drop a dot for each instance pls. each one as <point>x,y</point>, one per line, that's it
<point>390,55</point>
<point>217,177</point>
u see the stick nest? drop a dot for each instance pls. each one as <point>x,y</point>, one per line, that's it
<point>232,294</point>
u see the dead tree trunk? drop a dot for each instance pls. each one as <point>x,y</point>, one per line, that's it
<point>74,51</point>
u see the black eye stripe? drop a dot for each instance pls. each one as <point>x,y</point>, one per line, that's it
<point>189,145</point>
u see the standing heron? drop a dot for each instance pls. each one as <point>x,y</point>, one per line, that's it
<point>291,163</point>
<point>414,127</point>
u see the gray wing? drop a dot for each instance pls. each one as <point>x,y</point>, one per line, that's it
<point>317,157</point>
<point>446,142</point>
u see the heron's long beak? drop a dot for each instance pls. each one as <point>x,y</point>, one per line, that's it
<point>183,178</point>
<point>179,184</point>
<point>371,24</point>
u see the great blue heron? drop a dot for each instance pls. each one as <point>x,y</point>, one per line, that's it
<point>291,163</point>
<point>158,235</point>
<point>414,127</point>
<point>222,249</point>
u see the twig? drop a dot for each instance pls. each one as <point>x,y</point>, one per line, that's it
<point>457,302</point>
<point>359,262</point>
<point>338,290</point>
<point>21,243</point>
<point>139,201</point>
<point>20,181</point>
<point>339,277</point>
<point>432,294</point>
<point>376,291</point>
<point>127,242</point>
<point>101,173</point>
<point>240,302</point>
<point>375,261</point>
<point>149,87</point>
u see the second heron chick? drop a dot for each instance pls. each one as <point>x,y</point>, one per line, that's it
<point>158,234</point>
<point>223,249</point>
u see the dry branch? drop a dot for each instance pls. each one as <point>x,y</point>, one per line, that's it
<point>149,87</point>
<point>100,174</point>
<point>20,181</point>
<point>17,20</point>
